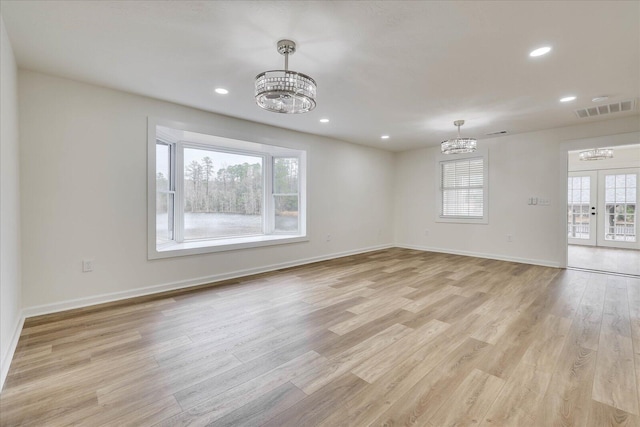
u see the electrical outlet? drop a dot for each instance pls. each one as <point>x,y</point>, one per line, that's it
<point>87,265</point>
<point>509,238</point>
<point>426,232</point>
<point>328,237</point>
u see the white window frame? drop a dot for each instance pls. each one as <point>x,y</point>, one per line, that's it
<point>444,158</point>
<point>178,247</point>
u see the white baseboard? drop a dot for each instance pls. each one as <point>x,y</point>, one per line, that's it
<point>542,262</point>
<point>7,358</point>
<point>181,284</point>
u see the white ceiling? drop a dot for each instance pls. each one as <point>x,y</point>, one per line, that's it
<point>406,69</point>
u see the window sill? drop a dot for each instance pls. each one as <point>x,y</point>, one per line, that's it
<point>170,250</point>
<point>463,220</point>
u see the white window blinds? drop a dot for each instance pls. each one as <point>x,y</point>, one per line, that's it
<point>462,187</point>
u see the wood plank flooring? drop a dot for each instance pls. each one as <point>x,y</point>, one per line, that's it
<point>393,337</point>
<point>615,260</point>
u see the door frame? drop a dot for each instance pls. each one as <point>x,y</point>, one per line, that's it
<point>562,243</point>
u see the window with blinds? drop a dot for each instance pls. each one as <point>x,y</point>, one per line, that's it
<point>462,188</point>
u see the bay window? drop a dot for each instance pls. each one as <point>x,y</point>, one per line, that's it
<point>208,193</point>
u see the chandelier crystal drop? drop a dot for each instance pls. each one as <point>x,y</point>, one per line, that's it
<point>596,154</point>
<point>458,145</point>
<point>284,91</point>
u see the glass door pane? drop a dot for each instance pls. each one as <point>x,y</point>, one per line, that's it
<point>617,200</point>
<point>620,207</point>
<point>581,208</point>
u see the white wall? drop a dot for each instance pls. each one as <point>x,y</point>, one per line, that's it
<point>83,151</point>
<point>10,291</point>
<point>83,158</point>
<point>520,166</point>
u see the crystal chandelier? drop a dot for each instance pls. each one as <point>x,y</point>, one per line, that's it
<point>458,145</point>
<point>596,154</point>
<point>284,91</point>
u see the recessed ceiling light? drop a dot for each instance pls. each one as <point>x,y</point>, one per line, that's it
<point>567,99</point>
<point>324,120</point>
<point>384,137</point>
<point>600,98</point>
<point>221,91</point>
<point>540,51</point>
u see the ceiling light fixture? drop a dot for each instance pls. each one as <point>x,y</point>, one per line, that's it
<point>596,154</point>
<point>221,91</point>
<point>384,137</point>
<point>599,98</point>
<point>284,91</point>
<point>540,51</point>
<point>458,145</point>
<point>568,99</point>
<point>324,120</point>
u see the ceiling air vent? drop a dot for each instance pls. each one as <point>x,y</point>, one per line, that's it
<point>500,132</point>
<point>601,110</point>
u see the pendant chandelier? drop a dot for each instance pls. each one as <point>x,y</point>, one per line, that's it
<point>458,145</point>
<point>596,154</point>
<point>284,91</point>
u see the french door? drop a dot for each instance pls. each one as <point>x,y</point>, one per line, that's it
<point>602,208</point>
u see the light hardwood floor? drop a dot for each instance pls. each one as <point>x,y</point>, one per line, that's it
<point>394,337</point>
<point>625,261</point>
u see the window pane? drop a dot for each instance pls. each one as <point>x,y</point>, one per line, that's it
<point>576,196</point>
<point>631,195</point>
<point>475,203</point>
<point>164,217</point>
<point>222,194</point>
<point>610,181</point>
<point>164,199</point>
<point>285,175</point>
<point>576,182</point>
<point>462,188</point>
<point>585,196</point>
<point>610,196</point>
<point>286,208</point>
<point>162,167</point>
